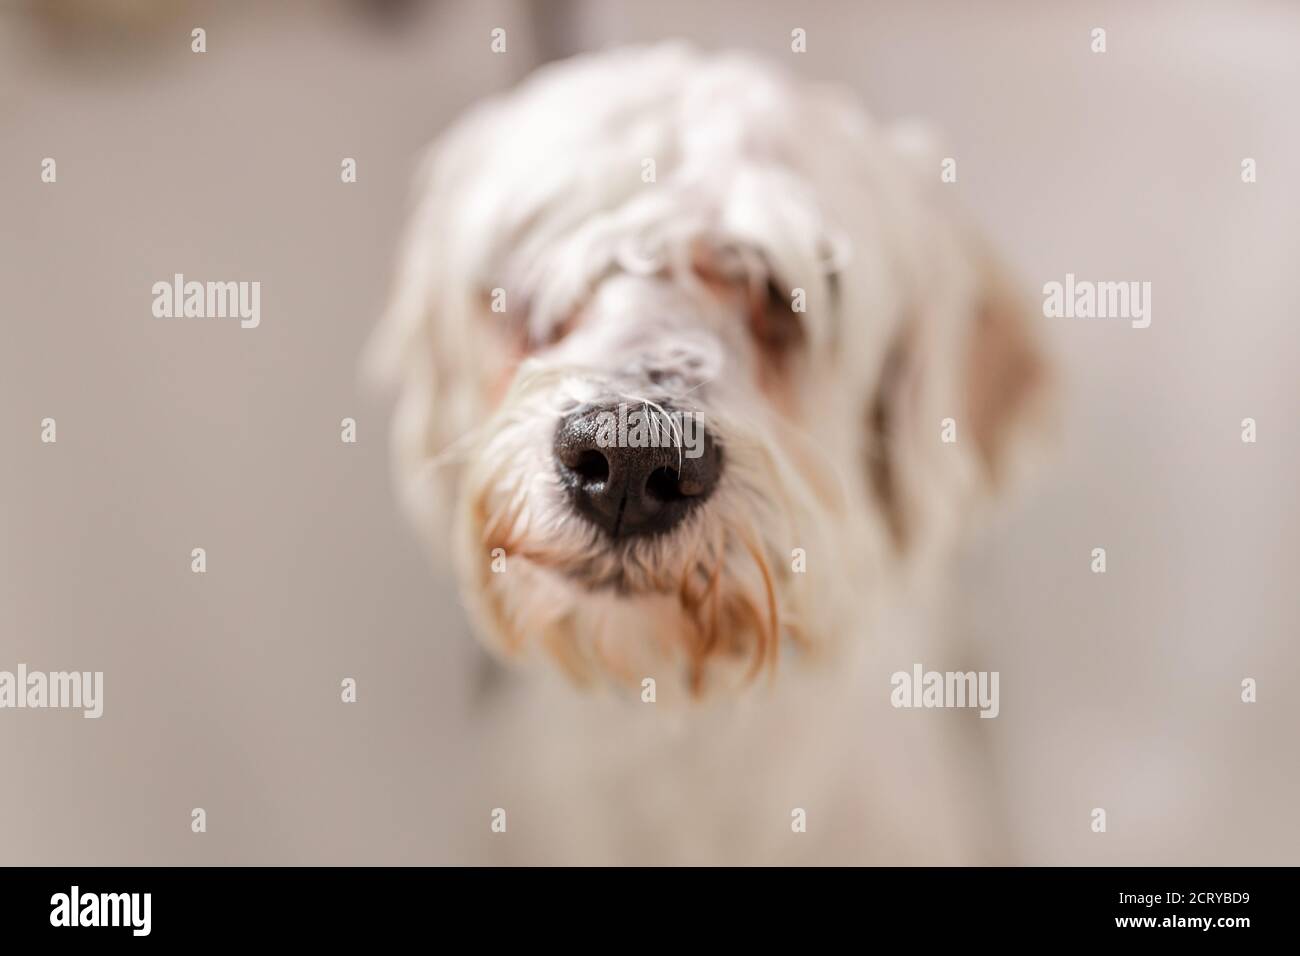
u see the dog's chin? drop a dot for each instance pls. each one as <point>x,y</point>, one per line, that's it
<point>594,576</point>
<point>698,598</point>
<point>627,566</point>
<point>616,631</point>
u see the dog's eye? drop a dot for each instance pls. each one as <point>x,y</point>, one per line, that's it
<point>775,322</point>
<point>514,326</point>
<point>552,333</point>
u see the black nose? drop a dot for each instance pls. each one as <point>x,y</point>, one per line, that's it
<point>632,469</point>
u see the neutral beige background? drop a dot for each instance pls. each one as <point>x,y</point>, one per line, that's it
<point>1118,691</point>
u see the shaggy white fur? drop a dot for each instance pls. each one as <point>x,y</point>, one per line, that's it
<point>665,228</point>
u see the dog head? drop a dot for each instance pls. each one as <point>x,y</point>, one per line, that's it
<point>696,363</point>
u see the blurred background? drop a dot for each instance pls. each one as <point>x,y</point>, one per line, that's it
<point>1119,690</point>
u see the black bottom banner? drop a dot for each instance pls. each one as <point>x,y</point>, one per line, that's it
<point>372,905</point>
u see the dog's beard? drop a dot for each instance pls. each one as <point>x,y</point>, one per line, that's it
<point>713,599</point>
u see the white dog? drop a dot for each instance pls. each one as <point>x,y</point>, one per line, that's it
<point>706,378</point>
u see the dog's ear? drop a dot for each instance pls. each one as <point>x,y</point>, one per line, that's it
<point>429,325</point>
<point>1007,374</point>
<point>962,395</point>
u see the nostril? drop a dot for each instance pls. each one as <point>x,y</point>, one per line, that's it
<point>592,466</point>
<point>634,485</point>
<point>691,488</point>
<point>663,485</point>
